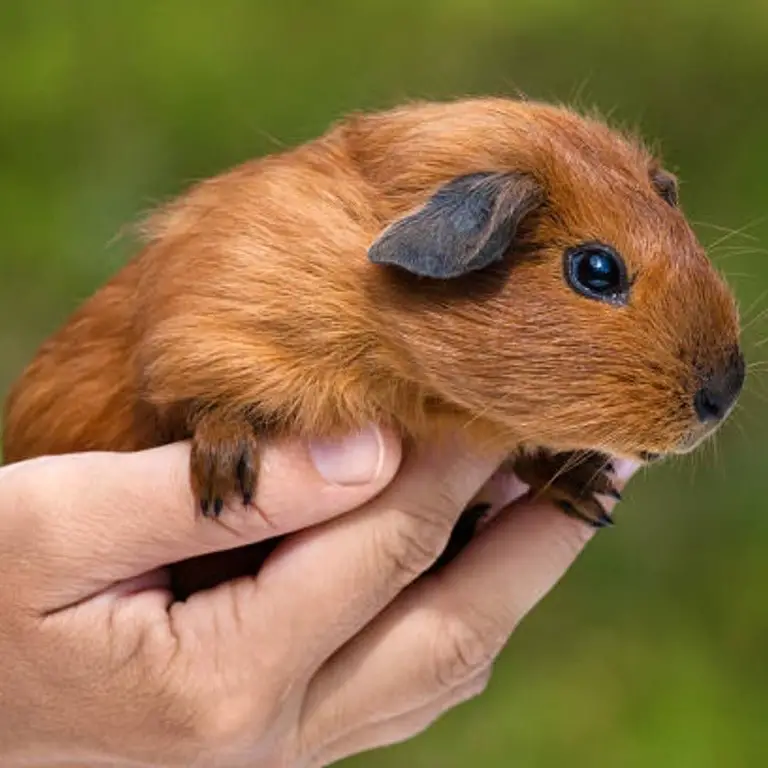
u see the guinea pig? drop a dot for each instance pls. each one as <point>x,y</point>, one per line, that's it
<point>507,268</point>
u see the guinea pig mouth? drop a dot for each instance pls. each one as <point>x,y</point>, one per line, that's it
<point>695,438</point>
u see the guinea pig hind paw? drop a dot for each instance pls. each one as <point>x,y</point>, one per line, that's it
<point>572,482</point>
<point>599,482</point>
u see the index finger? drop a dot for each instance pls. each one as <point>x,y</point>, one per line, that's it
<point>84,521</point>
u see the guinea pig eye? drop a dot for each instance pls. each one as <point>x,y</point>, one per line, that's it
<point>596,271</point>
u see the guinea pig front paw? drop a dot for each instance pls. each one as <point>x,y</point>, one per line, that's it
<point>224,461</point>
<point>573,481</point>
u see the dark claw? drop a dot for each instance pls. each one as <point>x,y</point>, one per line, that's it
<point>570,510</point>
<point>204,506</point>
<point>614,494</point>
<point>241,474</point>
<point>218,505</point>
<point>604,521</point>
<point>245,479</point>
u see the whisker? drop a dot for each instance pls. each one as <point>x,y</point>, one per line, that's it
<point>741,275</point>
<point>721,228</point>
<point>715,440</point>
<point>737,246</point>
<point>743,249</point>
<point>740,426</point>
<point>741,232</point>
<point>600,470</point>
<point>574,460</point>
<point>756,319</point>
<point>761,396</point>
<point>755,303</point>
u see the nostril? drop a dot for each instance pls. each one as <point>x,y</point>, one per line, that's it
<point>709,405</point>
<point>720,391</point>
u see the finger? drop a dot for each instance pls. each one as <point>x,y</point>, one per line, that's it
<point>400,728</point>
<point>324,584</point>
<point>449,627</point>
<point>87,520</point>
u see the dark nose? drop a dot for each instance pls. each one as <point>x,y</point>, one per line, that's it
<point>720,390</point>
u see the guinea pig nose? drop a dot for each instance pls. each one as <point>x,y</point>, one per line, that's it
<point>716,397</point>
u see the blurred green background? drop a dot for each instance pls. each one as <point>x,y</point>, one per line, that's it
<point>653,651</point>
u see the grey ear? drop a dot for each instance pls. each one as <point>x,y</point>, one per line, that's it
<point>665,184</point>
<point>468,224</point>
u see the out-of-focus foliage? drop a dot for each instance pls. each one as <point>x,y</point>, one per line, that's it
<point>653,651</point>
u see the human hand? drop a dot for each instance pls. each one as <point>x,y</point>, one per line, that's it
<point>434,646</point>
<point>293,668</point>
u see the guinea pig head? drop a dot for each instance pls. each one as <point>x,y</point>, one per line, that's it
<point>553,287</point>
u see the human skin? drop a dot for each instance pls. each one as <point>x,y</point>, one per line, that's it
<point>340,645</point>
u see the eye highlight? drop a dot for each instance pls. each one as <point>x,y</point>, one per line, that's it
<point>596,271</point>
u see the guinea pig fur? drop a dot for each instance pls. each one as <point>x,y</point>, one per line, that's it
<point>508,268</point>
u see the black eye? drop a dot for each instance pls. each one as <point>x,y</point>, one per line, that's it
<point>596,271</point>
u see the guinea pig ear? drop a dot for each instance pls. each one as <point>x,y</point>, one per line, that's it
<point>665,184</point>
<point>468,224</point>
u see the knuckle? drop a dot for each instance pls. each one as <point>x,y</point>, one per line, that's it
<point>417,539</point>
<point>199,720</point>
<point>181,716</point>
<point>423,525</point>
<point>208,719</point>
<point>452,491</point>
<point>477,686</point>
<point>465,651</point>
<point>224,726</point>
<point>568,539</point>
<point>205,727</point>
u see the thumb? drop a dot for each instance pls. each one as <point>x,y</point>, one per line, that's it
<point>99,518</point>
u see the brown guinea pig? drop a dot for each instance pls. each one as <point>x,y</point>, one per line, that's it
<point>508,268</point>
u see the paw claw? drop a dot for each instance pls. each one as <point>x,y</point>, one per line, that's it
<point>604,521</point>
<point>246,477</point>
